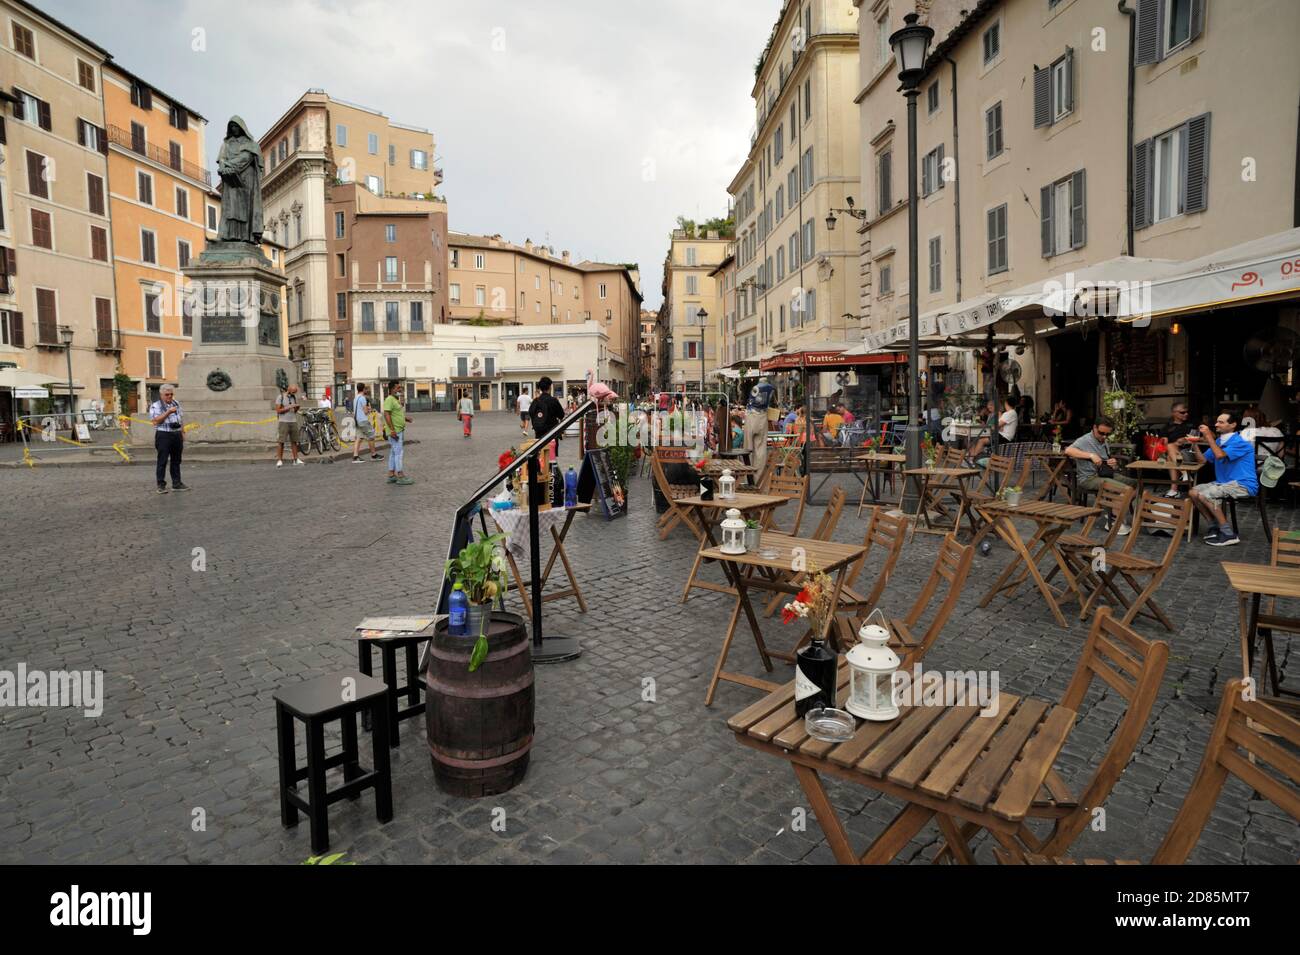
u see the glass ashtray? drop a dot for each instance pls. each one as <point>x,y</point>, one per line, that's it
<point>829,724</point>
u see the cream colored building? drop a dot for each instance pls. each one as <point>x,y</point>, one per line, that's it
<point>319,142</point>
<point>796,280</point>
<point>57,269</point>
<point>494,282</point>
<point>1024,170</point>
<point>693,282</point>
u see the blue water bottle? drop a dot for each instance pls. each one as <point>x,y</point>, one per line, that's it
<point>570,488</point>
<point>458,612</point>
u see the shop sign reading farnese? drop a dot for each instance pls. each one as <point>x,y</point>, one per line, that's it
<point>532,346</point>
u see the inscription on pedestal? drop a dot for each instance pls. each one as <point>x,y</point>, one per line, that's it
<point>223,329</point>
<point>268,329</point>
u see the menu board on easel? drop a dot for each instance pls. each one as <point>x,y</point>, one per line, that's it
<point>596,478</point>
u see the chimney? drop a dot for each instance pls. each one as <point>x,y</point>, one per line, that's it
<point>528,245</point>
<point>564,256</point>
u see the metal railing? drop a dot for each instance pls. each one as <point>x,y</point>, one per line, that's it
<point>123,138</point>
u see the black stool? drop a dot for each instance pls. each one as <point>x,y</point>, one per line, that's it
<point>388,647</point>
<point>339,696</point>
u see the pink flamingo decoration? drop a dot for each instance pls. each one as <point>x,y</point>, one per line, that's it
<point>597,391</point>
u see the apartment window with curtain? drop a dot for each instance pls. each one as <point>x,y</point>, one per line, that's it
<point>338,348</point>
<point>417,316</point>
<point>390,268</point>
<point>480,295</point>
<point>390,233</point>
<point>997,239</point>
<point>391,322</point>
<point>453,291</point>
<point>1062,211</point>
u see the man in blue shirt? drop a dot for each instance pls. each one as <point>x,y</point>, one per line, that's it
<point>1234,475</point>
<point>761,396</point>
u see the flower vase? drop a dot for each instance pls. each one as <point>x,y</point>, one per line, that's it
<point>476,619</point>
<point>753,539</point>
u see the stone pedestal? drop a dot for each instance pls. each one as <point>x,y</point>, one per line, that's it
<point>229,382</point>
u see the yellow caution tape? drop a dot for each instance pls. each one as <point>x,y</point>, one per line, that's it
<point>120,449</point>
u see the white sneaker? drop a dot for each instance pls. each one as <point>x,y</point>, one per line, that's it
<point>279,464</point>
<point>1123,530</point>
<point>1173,493</point>
<point>299,462</point>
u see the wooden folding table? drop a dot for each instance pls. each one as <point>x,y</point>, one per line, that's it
<point>789,553</point>
<point>1058,474</point>
<point>1253,582</point>
<point>932,483</point>
<point>877,465</point>
<point>947,763</point>
<point>557,550</point>
<point>704,512</point>
<point>1157,472</point>
<point>1052,521</point>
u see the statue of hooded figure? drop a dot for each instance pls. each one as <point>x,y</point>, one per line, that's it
<point>240,166</point>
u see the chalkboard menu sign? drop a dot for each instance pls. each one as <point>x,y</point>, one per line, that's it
<point>597,478</point>
<point>1138,354</point>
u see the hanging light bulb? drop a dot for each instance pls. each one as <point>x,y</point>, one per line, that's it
<point>1175,329</point>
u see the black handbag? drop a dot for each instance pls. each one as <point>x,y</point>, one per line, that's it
<point>1104,470</point>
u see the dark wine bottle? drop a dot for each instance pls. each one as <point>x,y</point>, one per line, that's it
<point>557,486</point>
<point>814,677</point>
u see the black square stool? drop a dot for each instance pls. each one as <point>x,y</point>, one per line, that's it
<point>338,696</point>
<point>388,647</point>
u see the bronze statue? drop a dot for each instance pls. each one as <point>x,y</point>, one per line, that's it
<point>240,167</point>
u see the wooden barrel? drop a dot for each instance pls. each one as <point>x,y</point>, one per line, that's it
<point>480,724</point>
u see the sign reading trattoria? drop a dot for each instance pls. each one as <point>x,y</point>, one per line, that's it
<point>532,346</point>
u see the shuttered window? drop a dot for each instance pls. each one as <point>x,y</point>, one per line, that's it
<point>932,171</point>
<point>1054,90</point>
<point>98,244</point>
<point>47,317</point>
<point>37,184</point>
<point>42,229</point>
<point>997,239</point>
<point>144,187</point>
<point>103,323</point>
<point>1164,27</point>
<point>1062,207</point>
<point>24,42</point>
<point>148,247</point>
<point>95,194</point>
<point>884,185</point>
<point>993,131</point>
<point>1171,173</point>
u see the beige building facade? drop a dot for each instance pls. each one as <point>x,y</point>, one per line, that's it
<point>56,271</point>
<point>1030,180</point>
<point>796,279</point>
<point>320,143</point>
<point>693,283</point>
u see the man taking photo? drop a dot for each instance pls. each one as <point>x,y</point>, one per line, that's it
<point>1234,476</point>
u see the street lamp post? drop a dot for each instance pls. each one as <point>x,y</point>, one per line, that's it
<point>911,45</point>
<point>702,315</point>
<point>65,336</point>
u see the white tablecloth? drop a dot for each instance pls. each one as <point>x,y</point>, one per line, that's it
<point>515,524</point>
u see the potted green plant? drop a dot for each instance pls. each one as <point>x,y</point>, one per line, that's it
<point>1011,494</point>
<point>480,569</point>
<point>753,535</point>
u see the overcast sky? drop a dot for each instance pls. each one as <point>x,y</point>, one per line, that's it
<point>588,124</point>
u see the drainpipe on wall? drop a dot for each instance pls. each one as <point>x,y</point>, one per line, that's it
<point>956,160</point>
<point>1128,155</point>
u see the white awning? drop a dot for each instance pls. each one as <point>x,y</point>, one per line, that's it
<point>18,378</point>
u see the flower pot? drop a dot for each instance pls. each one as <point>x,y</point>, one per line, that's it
<point>474,619</point>
<point>753,537</point>
<point>1013,498</point>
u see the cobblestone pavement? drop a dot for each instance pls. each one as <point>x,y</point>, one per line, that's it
<point>98,574</point>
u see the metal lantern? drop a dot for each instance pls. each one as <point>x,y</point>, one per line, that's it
<point>733,536</point>
<point>727,485</point>
<point>872,666</point>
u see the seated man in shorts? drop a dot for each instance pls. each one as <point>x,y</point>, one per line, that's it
<point>1234,476</point>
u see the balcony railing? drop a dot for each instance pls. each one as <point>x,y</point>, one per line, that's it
<point>123,138</point>
<point>385,373</point>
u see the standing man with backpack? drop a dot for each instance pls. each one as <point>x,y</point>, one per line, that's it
<point>364,428</point>
<point>546,412</point>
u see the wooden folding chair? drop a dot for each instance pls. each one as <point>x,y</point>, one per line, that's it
<point>796,489</point>
<point>1131,666</point>
<point>1286,553</point>
<point>1267,764</point>
<point>1000,467</point>
<point>1155,510</point>
<point>824,531</point>
<point>1077,549</point>
<point>887,531</point>
<point>672,494</point>
<point>951,567</point>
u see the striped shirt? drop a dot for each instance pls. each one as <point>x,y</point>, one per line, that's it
<point>175,422</point>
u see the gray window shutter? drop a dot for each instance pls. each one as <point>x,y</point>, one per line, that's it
<point>1069,79</point>
<point>1078,211</point>
<point>938,169</point>
<point>1042,97</point>
<point>1196,167</point>
<point>1198,19</point>
<point>1142,185</point>
<point>1046,220</point>
<point>1147,48</point>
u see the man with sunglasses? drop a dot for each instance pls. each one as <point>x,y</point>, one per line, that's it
<point>1234,476</point>
<point>1175,434</point>
<point>1094,466</point>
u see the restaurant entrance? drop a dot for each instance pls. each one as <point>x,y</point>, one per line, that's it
<point>1074,376</point>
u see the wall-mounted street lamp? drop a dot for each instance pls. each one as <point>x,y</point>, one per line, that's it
<point>850,211</point>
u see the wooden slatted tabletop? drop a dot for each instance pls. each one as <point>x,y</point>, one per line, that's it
<point>948,760</point>
<point>742,501</point>
<point>1038,511</point>
<point>816,555</point>
<point>1263,579</point>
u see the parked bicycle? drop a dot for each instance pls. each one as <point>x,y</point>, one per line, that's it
<point>318,431</point>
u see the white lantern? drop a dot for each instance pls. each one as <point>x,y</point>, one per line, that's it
<point>733,535</point>
<point>872,666</point>
<point>727,485</point>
